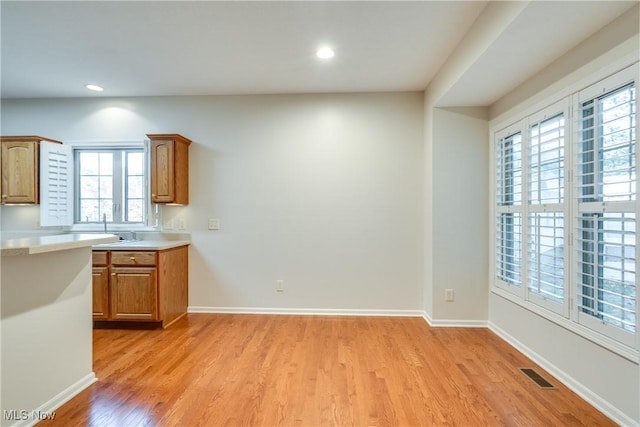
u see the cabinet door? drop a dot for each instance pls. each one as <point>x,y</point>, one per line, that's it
<point>162,171</point>
<point>100,293</point>
<point>134,294</point>
<point>19,172</point>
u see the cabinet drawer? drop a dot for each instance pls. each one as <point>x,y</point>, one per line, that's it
<point>100,257</point>
<point>133,258</point>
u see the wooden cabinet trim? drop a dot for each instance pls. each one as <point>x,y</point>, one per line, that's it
<point>169,137</point>
<point>28,138</point>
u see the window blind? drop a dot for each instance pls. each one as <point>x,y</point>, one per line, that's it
<point>546,255</point>
<point>606,267</point>
<point>546,161</point>
<point>509,248</point>
<point>607,147</point>
<point>509,224</point>
<point>546,211</point>
<point>606,218</point>
<point>509,170</point>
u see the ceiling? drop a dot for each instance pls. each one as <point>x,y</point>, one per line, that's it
<point>146,48</point>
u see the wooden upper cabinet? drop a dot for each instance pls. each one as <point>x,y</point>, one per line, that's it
<point>19,159</point>
<point>169,168</point>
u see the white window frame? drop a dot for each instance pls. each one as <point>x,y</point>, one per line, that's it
<point>567,317</point>
<point>119,185</point>
<point>609,84</point>
<point>152,220</point>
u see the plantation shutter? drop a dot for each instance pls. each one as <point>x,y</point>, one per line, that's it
<point>606,211</point>
<point>56,185</point>
<point>546,252</point>
<point>509,224</point>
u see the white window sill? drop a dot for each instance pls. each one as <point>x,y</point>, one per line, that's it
<point>610,344</point>
<point>96,227</point>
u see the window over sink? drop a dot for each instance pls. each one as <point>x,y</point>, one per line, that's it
<point>110,182</point>
<point>111,185</point>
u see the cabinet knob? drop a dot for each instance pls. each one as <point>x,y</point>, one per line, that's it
<point>4,196</point>
<point>132,258</point>
<point>113,274</point>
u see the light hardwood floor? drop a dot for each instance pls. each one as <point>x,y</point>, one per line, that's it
<point>257,370</point>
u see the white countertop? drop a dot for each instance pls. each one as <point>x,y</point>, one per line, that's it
<point>52,243</point>
<point>138,245</point>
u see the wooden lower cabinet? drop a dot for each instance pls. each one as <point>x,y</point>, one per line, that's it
<point>134,294</point>
<point>141,286</point>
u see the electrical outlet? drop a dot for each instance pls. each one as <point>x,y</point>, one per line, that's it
<point>168,224</point>
<point>214,224</point>
<point>279,285</point>
<point>448,295</point>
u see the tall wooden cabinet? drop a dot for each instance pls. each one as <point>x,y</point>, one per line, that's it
<point>19,160</point>
<point>169,168</point>
<point>140,285</point>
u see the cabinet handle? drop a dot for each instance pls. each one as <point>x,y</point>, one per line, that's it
<point>4,196</point>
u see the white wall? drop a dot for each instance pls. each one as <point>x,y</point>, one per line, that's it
<point>321,191</point>
<point>427,284</point>
<point>450,138</point>
<point>456,215</point>
<point>460,215</point>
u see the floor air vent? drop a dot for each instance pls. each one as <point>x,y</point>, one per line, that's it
<point>537,378</point>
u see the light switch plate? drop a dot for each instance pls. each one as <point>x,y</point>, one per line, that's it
<point>181,224</point>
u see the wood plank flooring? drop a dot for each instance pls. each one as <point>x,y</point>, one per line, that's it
<point>257,370</point>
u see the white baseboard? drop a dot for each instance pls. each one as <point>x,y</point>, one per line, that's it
<point>452,323</point>
<point>306,311</point>
<point>595,400</point>
<point>47,410</point>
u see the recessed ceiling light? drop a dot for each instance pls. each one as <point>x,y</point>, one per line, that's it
<point>94,88</point>
<point>325,53</point>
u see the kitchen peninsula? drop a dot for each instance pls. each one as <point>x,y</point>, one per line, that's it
<point>46,326</point>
